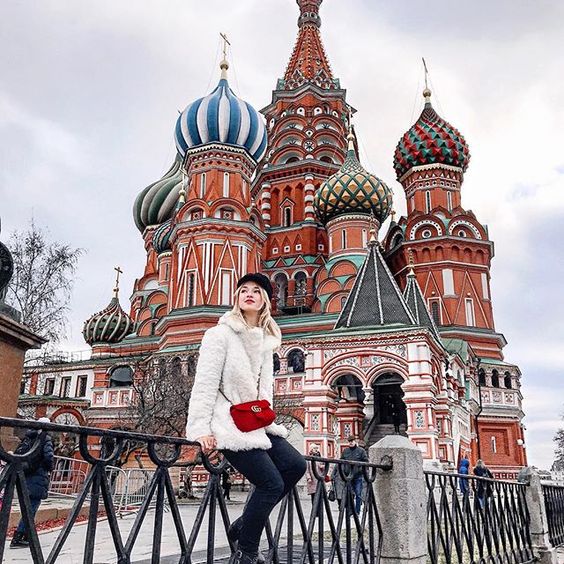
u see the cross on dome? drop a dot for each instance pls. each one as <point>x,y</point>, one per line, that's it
<point>118,272</point>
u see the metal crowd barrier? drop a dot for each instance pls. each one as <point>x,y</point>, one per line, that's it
<point>314,532</point>
<point>485,521</point>
<point>554,503</point>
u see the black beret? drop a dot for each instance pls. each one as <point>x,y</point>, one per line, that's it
<point>259,279</point>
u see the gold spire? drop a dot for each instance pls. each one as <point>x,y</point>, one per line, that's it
<point>224,65</point>
<point>427,91</point>
<point>373,240</point>
<point>116,289</point>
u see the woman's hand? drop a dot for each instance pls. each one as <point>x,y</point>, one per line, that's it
<point>208,443</point>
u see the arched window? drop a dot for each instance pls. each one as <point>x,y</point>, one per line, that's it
<point>507,381</point>
<point>176,367</point>
<point>344,239</point>
<point>287,216</point>
<point>276,363</point>
<point>495,379</point>
<point>436,311</point>
<point>296,361</point>
<point>493,445</point>
<point>482,377</point>
<point>281,283</point>
<point>121,376</point>
<point>190,290</point>
<point>301,284</point>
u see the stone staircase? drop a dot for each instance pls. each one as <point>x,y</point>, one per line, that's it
<point>380,430</point>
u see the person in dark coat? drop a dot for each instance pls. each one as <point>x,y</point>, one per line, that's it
<point>226,482</point>
<point>36,476</point>
<point>357,454</point>
<point>483,489</point>
<point>464,468</point>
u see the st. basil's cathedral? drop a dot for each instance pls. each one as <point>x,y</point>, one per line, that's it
<point>380,331</point>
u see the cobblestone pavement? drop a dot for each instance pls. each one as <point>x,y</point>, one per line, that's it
<point>104,552</point>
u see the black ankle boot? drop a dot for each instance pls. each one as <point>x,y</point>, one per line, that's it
<point>240,557</point>
<point>19,540</point>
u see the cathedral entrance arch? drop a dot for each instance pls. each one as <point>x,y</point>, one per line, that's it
<point>390,411</point>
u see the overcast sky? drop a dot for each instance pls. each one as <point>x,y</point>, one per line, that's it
<point>90,92</point>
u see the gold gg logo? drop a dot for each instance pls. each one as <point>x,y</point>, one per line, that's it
<point>255,408</point>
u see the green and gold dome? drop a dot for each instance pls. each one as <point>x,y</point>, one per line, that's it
<point>352,189</point>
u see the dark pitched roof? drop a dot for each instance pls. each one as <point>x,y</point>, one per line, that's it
<point>375,299</point>
<point>416,303</point>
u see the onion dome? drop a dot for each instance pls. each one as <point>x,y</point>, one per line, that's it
<point>353,190</point>
<point>110,325</point>
<point>161,237</point>
<point>431,140</point>
<point>156,203</point>
<point>221,117</point>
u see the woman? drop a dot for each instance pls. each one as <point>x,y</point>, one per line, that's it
<point>235,366</point>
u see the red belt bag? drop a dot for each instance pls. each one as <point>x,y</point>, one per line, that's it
<point>252,415</point>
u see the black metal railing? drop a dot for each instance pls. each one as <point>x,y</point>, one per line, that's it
<point>473,519</point>
<point>313,531</point>
<point>554,503</point>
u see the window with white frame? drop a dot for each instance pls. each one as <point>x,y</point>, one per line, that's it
<point>493,444</point>
<point>226,289</point>
<point>470,321</point>
<point>226,185</point>
<point>287,216</point>
<point>485,290</point>
<point>344,239</point>
<point>364,238</point>
<point>435,307</point>
<point>428,201</point>
<point>203,185</point>
<point>449,201</point>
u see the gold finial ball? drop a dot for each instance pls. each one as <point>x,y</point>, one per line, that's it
<point>426,93</point>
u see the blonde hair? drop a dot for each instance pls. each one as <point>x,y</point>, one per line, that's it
<point>265,318</point>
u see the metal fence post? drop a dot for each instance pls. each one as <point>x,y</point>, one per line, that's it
<point>402,501</point>
<point>544,551</point>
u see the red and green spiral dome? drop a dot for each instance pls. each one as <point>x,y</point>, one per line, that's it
<point>430,140</point>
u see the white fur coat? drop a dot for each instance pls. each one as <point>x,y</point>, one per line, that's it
<point>235,355</point>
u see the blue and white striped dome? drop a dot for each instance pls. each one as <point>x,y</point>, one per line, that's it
<point>221,117</point>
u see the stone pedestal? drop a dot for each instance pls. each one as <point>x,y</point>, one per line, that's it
<point>402,501</point>
<point>15,340</point>
<point>544,551</point>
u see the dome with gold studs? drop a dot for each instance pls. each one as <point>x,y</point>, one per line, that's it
<point>352,189</point>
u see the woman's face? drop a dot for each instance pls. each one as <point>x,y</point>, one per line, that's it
<point>250,298</point>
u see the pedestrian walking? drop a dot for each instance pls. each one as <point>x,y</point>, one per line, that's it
<point>226,483</point>
<point>311,480</point>
<point>356,453</point>
<point>230,409</point>
<point>36,473</point>
<point>464,468</point>
<point>483,488</point>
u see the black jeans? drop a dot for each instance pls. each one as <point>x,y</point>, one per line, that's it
<point>273,472</point>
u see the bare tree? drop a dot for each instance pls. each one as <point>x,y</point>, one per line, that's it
<point>159,404</point>
<point>43,277</point>
<point>558,464</point>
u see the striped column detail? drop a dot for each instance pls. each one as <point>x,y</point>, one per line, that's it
<point>309,193</point>
<point>265,203</point>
